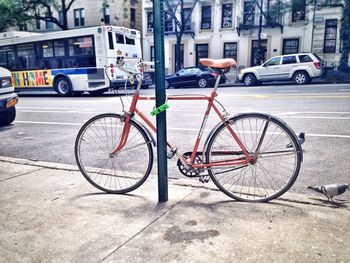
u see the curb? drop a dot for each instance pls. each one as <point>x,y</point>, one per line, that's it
<point>288,197</point>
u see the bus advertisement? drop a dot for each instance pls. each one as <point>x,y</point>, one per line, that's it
<point>69,62</point>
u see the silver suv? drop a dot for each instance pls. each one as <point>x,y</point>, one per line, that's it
<point>301,68</point>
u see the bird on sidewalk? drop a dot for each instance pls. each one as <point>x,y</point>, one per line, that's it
<point>330,190</point>
<point>301,139</point>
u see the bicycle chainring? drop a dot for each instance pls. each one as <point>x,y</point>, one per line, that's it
<point>192,172</point>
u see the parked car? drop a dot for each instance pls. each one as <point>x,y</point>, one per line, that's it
<point>301,68</point>
<point>8,98</point>
<point>193,77</point>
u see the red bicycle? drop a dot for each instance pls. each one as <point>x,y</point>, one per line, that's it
<point>250,157</point>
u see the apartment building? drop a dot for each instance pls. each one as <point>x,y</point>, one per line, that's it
<point>221,29</point>
<point>87,13</point>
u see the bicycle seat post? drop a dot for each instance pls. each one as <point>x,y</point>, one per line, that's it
<point>217,82</point>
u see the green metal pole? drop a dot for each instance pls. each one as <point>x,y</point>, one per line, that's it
<point>158,27</point>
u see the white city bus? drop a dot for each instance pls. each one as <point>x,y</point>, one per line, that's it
<point>69,62</point>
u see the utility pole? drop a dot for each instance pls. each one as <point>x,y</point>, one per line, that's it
<point>158,15</point>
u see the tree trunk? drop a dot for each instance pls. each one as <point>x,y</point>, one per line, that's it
<point>178,52</point>
<point>64,14</point>
<point>345,38</point>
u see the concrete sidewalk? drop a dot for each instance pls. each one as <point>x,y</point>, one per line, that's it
<point>50,213</point>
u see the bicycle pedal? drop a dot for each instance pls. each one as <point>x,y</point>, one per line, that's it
<point>172,153</point>
<point>204,179</point>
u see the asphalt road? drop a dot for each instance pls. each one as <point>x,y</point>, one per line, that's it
<point>46,125</point>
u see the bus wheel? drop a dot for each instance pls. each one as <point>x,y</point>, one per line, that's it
<point>63,87</point>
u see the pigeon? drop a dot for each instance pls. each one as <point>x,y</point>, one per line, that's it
<point>330,190</point>
<point>301,139</point>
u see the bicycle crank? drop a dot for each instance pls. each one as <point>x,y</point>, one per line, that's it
<point>190,172</point>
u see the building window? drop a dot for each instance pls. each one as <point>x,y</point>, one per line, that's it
<point>330,36</point>
<point>206,17</point>
<point>132,17</point>
<point>230,50</point>
<point>79,17</point>
<point>152,53</point>
<point>273,12</point>
<point>226,17</point>
<point>48,24</point>
<point>290,46</point>
<point>187,19</point>
<point>23,27</point>
<point>169,25</point>
<point>38,24</point>
<point>248,13</point>
<point>202,51</point>
<point>150,22</point>
<point>60,17</point>
<point>298,10</point>
<point>106,17</point>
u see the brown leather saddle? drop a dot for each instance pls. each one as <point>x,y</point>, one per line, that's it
<point>224,63</point>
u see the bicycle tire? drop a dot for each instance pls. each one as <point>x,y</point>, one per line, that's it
<point>267,179</point>
<point>125,171</point>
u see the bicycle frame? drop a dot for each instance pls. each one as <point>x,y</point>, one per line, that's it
<point>248,158</point>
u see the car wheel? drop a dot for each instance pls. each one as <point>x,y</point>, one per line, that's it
<point>202,83</point>
<point>63,87</point>
<point>249,80</point>
<point>301,77</point>
<point>8,116</point>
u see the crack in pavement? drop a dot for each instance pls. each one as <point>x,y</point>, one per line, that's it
<point>22,174</point>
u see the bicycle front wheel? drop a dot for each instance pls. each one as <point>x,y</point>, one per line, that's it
<point>277,164</point>
<point>120,173</point>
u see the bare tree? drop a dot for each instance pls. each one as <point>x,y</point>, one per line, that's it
<point>174,7</point>
<point>45,10</point>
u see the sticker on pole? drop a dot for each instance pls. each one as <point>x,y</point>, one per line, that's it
<point>160,109</point>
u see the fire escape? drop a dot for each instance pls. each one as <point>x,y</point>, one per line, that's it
<point>272,16</point>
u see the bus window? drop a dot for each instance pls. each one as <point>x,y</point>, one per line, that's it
<point>110,40</point>
<point>130,41</point>
<point>47,49</point>
<point>120,38</point>
<point>81,46</point>
<point>26,56</point>
<point>7,57</point>
<point>59,48</point>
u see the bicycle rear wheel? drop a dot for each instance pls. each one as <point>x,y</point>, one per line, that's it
<point>127,169</point>
<point>278,162</point>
